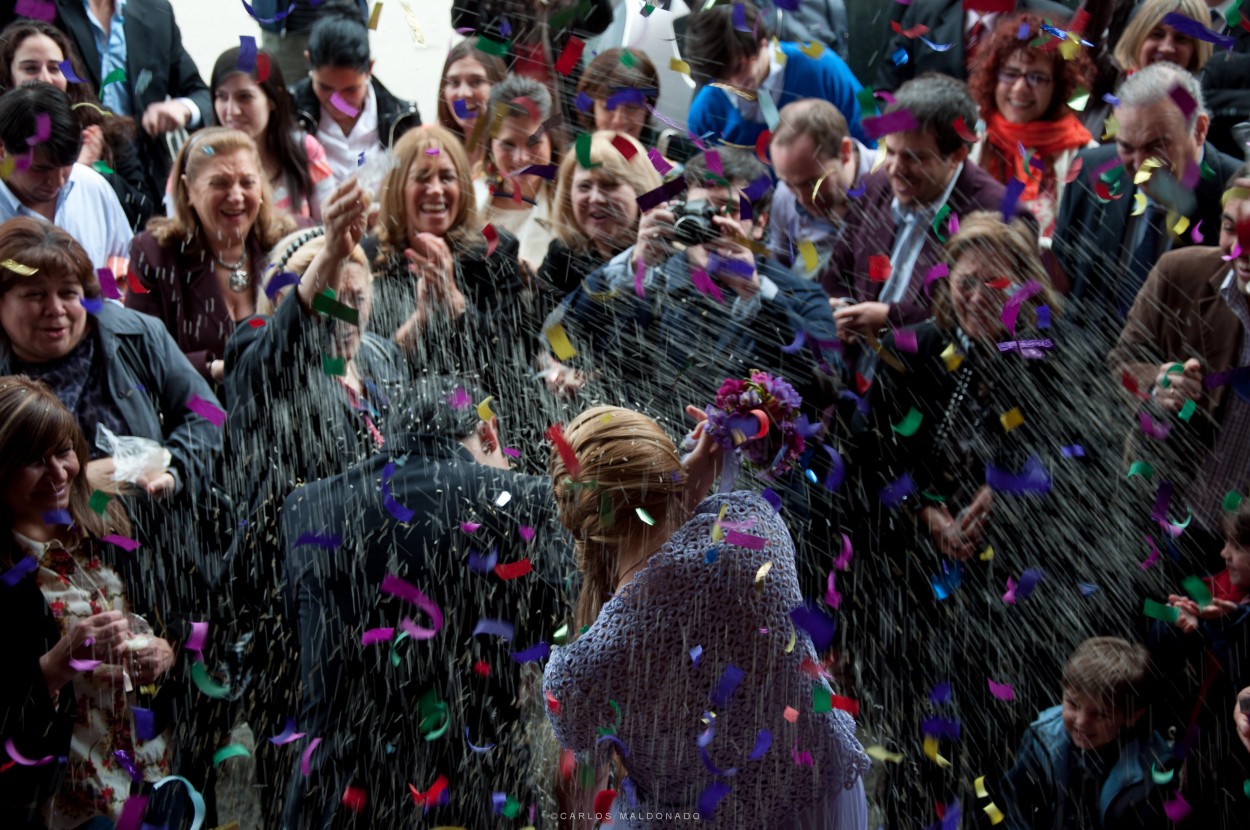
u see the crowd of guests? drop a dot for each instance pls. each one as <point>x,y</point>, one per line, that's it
<point>844,454</point>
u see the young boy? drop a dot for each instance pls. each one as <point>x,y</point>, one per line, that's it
<point>730,44</point>
<point>1087,763</point>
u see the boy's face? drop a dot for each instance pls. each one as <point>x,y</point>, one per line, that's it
<point>1091,723</point>
<point>1238,560</point>
<point>751,72</point>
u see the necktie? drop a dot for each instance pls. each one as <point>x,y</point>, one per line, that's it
<point>1145,255</point>
<point>973,41</point>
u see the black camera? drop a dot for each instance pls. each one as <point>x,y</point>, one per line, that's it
<point>693,223</point>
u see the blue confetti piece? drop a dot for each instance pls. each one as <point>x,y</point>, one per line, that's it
<point>461,106</point>
<point>818,625</point>
<point>726,686</point>
<point>710,798</point>
<point>400,512</point>
<point>947,583</point>
<point>695,654</point>
<point>58,517</point>
<point>483,564</point>
<point>1032,479</point>
<point>940,728</point>
<point>360,159</point>
<point>280,281</point>
<point>941,693</point>
<point>632,96</point>
<point>1086,588</point>
<point>899,57</point>
<point>763,740</point>
<point>247,54</point>
<point>1011,198</point>
<point>772,498</point>
<point>145,723</point>
<point>585,104</point>
<point>92,305</point>
<point>533,654</point>
<point>837,472</point>
<point>14,575</point>
<point>758,188</point>
<point>501,628</point>
<point>330,541</point>
<point>505,28</point>
<point>1043,317</point>
<point>950,819</point>
<point>1111,99</point>
<point>937,47</point>
<point>893,493</point>
<point>1074,451</point>
<point>740,18</point>
<point>1028,581</point>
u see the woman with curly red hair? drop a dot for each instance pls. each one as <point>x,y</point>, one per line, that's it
<point>1022,83</point>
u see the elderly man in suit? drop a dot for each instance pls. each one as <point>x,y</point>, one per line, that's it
<point>1124,209</point>
<point>961,23</point>
<point>161,87</point>
<point>896,227</point>
<point>387,671</point>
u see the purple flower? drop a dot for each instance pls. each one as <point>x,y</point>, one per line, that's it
<point>733,421</point>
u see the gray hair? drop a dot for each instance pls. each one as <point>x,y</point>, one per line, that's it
<point>518,86</point>
<point>1154,83</point>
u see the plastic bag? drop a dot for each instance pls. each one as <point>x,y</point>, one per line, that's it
<point>133,457</point>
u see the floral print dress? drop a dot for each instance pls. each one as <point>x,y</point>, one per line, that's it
<point>76,585</point>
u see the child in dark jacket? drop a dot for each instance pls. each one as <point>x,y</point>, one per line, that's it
<point>1087,763</point>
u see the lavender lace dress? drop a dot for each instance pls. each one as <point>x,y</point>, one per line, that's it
<point>637,657</point>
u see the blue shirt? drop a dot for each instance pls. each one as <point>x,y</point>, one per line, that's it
<point>112,49</point>
<point>87,209</point>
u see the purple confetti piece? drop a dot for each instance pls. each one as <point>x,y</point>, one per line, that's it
<point>1028,581</point>
<point>330,541</point>
<point>280,281</point>
<point>935,273</point>
<point>899,121</point>
<point>198,638</point>
<point>1163,499</point>
<point>758,188</point>
<point>376,635</point>
<point>772,498</point>
<point>717,264</point>
<point>527,532</point>
<point>1011,308</point>
<point>1153,557</point>
<point>1002,691</point>
<point>498,628</point>
<point>123,761</point>
<point>705,286</point>
<point>745,213</point>
<point>706,738</point>
<point>661,194</point>
<point>1158,430</point>
<point>740,18</point>
<point>1023,32</point>
<point>711,797</point>
<point>695,654</point>
<point>207,410</point>
<point>861,404</point>
<point>247,54</point>
<point>1111,99</point>
<point>745,540</point>
<point>145,723</point>
<point>473,746</point>
<point>1043,317</point>
<point>816,623</point>
<point>612,739</point>
<point>941,693</point>
<point>132,813</point>
<point>1073,451</point>
<point>511,452</point>
<point>92,305</point>
<point>461,108</point>
<point>84,665</point>
<point>940,728</point>
<point>857,191</point>
<point>837,472</point>
<point>1189,179</point>
<point>459,398</point>
<point>905,340</point>
<point>1177,809</point>
<point>627,97</point>
<point>726,686</point>
<point>1193,28</point>
<point>1032,478</point>
<point>797,345</point>
<point>1011,198</point>
<point>288,733</point>
<point>844,557</point>
<point>67,69</point>
<point>832,598</point>
<point>585,104</point>
<point>893,493</point>
<point>38,9</point>
<point>123,542</point>
<point>657,161</point>
<point>763,740</point>
<point>399,512</point>
<point>483,564</point>
<point>27,564</point>
<point>470,527</point>
<point>108,284</point>
<point>950,818</point>
<point>58,517</point>
<point>535,653</point>
<point>542,171</point>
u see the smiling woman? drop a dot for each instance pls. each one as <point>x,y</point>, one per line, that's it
<point>199,270</point>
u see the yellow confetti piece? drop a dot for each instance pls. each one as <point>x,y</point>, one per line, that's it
<point>813,50</point>
<point>987,554</point>
<point>879,163</point>
<point>373,18</point>
<point>808,252</point>
<point>679,65</point>
<point>560,342</point>
<point>1147,169</point>
<point>414,25</point>
<point>744,94</point>
<point>980,786</point>
<point>995,814</point>
<point>794,638</point>
<point>18,268</point>
<point>880,753</point>
<point>1070,49</point>
<point>484,412</point>
<point>931,752</point>
<point>1110,128</point>
<point>718,532</point>
<point>1139,203</point>
<point>952,358</point>
<point>7,166</point>
<point>1182,225</point>
<point>761,573</point>
<point>1011,419</point>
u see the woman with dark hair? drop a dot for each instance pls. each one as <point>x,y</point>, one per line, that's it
<point>620,84</point>
<point>469,74</point>
<point>340,102</point>
<point>1023,92</point>
<point>86,644</point>
<point>293,161</point>
<point>199,270</point>
<point>31,50</point>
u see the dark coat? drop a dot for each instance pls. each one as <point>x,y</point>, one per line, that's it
<point>1090,235</point>
<point>360,699</point>
<point>395,116</point>
<point>1226,87</point>
<point>945,19</point>
<point>157,67</point>
<point>870,232</point>
<point>185,295</point>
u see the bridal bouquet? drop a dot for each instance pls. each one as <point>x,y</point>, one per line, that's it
<point>759,418</point>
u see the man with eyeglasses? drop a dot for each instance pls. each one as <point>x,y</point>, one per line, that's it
<point>896,228</point>
<point>1134,200</point>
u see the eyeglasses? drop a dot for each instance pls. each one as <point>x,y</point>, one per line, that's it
<point>1033,79</point>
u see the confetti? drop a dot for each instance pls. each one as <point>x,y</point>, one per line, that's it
<point>571,55</point>
<point>18,268</point>
<point>39,9</point>
<point>513,570</point>
<point>899,121</point>
<point>880,753</point>
<point>910,423</point>
<point>230,751</point>
<point>1002,691</point>
<point>125,543</point>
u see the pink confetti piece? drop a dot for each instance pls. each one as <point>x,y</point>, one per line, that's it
<point>511,452</point>
<point>1011,308</point>
<point>38,9</point>
<point>935,273</point>
<point>745,540</point>
<point>198,638</point>
<point>899,121</point>
<point>21,759</point>
<point>84,665</point>
<point>1002,691</point>
<point>1177,809</point>
<point>1234,253</point>
<point>1158,430</point>
<point>1153,557</point>
<point>338,102</point>
<point>1010,596</point>
<point>287,735</point>
<point>43,129</point>
<point>832,598</point>
<point>123,542</point>
<point>306,759</point>
<point>844,558</point>
<point>905,340</point>
<point>470,527</point>
<point>207,410</point>
<point>1196,233</point>
<point>657,161</point>
<point>398,587</point>
<point>376,635</point>
<point>132,813</point>
<point>527,532</point>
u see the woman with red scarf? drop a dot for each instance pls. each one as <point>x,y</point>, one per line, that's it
<point>1023,83</point>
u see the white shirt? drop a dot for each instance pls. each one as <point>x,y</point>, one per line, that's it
<point>87,209</point>
<point>1222,10</point>
<point>343,151</point>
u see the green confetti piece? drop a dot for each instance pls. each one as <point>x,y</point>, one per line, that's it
<point>933,497</point>
<point>394,645</point>
<point>1079,99</point>
<point>1233,18</point>
<point>910,423</point>
<point>434,719</point>
<point>1245,787</point>
<point>583,152</point>
<point>117,76</point>
<point>645,516</point>
<point>1187,411</point>
<point>822,701</point>
<point>1175,368</point>
<point>499,49</point>
<point>583,629</point>
<point>1232,500</point>
<point>335,367</point>
<point>939,222</point>
<point>206,684</point>
<point>332,307</point>
<point>628,59</point>
<point>99,501</point>
<point>1141,468</point>
<point>1164,777</point>
<point>511,808</point>
<point>102,168</point>
<point>647,9</point>
<point>611,730</point>
<point>1159,611</point>
<point>1115,174</point>
<point>561,635</point>
<point>586,775</point>
<point>563,18</point>
<point>1206,171</point>
<point>1197,591</point>
<point>867,102</point>
<point>231,751</point>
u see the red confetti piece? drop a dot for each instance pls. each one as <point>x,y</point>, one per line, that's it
<point>513,570</point>
<point>846,704</point>
<point>1130,383</point>
<point>1000,283</point>
<point>570,56</point>
<point>912,33</point>
<point>879,268</point>
<point>990,6</point>
<point>627,147</point>
<point>256,322</point>
<point>132,280</point>
<point>481,668</point>
<point>355,798</point>
<point>431,795</point>
<point>553,706</point>
<point>492,235</point>
<point>262,68</point>
<point>555,432</point>
<point>964,133</point>
<point>761,146</point>
<point>603,801</point>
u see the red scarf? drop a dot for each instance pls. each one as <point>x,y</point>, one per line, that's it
<point>1046,138</point>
